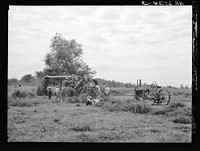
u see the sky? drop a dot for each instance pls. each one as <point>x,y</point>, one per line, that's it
<point>121,43</point>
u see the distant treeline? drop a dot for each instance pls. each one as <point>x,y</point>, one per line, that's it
<point>34,81</point>
<point>31,80</point>
<point>25,80</point>
<point>112,83</point>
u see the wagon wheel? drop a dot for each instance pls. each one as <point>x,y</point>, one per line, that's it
<point>162,96</point>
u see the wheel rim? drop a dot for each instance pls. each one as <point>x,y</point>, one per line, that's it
<point>163,96</point>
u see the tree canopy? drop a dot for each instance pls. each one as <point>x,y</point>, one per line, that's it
<point>65,58</point>
<point>27,78</point>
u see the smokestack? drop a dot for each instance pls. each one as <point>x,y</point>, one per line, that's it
<point>140,83</point>
<point>137,82</point>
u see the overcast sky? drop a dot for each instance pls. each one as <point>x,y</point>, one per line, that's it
<point>122,43</point>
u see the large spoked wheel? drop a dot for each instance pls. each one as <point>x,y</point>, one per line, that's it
<point>162,97</point>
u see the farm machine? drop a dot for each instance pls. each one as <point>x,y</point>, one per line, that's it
<point>159,95</point>
<point>77,85</point>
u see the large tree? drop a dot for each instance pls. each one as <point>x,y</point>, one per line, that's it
<point>65,58</point>
<point>27,78</point>
<point>39,74</point>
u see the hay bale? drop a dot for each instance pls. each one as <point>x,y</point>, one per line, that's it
<point>23,94</point>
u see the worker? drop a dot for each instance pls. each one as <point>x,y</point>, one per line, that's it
<point>49,91</point>
<point>57,91</point>
<point>98,91</point>
<point>107,89</point>
<point>17,90</point>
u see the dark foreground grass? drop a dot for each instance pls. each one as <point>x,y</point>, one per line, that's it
<point>41,120</point>
<point>67,122</point>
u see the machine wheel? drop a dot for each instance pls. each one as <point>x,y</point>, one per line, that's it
<point>162,97</point>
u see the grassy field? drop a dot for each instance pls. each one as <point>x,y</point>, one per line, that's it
<point>121,119</point>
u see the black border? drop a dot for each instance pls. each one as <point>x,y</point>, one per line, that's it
<point>93,146</point>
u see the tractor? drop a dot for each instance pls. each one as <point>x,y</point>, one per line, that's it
<point>159,95</point>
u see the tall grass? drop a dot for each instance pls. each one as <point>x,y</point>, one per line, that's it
<point>125,105</point>
<point>175,109</point>
<point>25,102</point>
<point>31,89</point>
<point>179,91</point>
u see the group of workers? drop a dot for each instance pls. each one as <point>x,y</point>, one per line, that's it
<point>53,90</point>
<point>56,90</point>
<point>92,100</point>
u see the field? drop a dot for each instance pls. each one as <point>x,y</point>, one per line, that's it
<point>121,119</point>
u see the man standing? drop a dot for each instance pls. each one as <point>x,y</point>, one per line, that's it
<point>57,91</point>
<point>49,91</point>
<point>107,90</point>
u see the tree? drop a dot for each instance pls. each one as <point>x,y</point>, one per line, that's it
<point>39,74</point>
<point>181,86</point>
<point>28,78</point>
<point>65,58</point>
